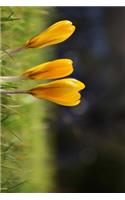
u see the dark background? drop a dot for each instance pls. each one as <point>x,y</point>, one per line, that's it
<point>89,139</point>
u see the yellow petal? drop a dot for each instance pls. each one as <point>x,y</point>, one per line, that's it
<point>55,34</point>
<point>69,100</point>
<point>63,92</point>
<point>66,83</point>
<point>75,103</point>
<point>50,70</point>
<point>65,103</point>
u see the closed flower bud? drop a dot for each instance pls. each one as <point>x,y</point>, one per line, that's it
<point>55,34</point>
<point>50,70</point>
<point>64,92</point>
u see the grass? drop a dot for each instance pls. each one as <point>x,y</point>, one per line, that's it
<point>26,154</point>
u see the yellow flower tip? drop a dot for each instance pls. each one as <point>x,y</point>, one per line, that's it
<point>75,83</point>
<point>56,33</point>
<point>64,92</point>
<point>50,70</point>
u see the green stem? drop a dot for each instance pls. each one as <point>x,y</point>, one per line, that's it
<point>4,79</point>
<point>12,52</point>
<point>15,91</point>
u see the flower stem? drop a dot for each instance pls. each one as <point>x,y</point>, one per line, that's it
<point>13,52</point>
<point>15,91</point>
<point>4,79</point>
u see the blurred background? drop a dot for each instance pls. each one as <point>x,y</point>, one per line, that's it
<point>90,138</point>
<point>76,149</point>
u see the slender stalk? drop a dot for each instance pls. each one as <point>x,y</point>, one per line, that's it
<point>15,91</point>
<point>10,78</point>
<point>12,52</point>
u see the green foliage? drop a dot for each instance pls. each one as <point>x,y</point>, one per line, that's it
<point>25,148</point>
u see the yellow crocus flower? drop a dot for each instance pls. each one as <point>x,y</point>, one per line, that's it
<point>55,34</point>
<point>64,92</point>
<point>50,70</point>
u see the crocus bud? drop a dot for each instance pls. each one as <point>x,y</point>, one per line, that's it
<point>64,92</point>
<point>50,70</point>
<point>55,34</point>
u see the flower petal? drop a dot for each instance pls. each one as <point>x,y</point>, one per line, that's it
<point>63,92</point>
<point>50,70</point>
<point>66,83</point>
<point>69,99</point>
<point>55,34</point>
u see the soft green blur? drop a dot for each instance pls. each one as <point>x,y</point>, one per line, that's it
<point>27,160</point>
